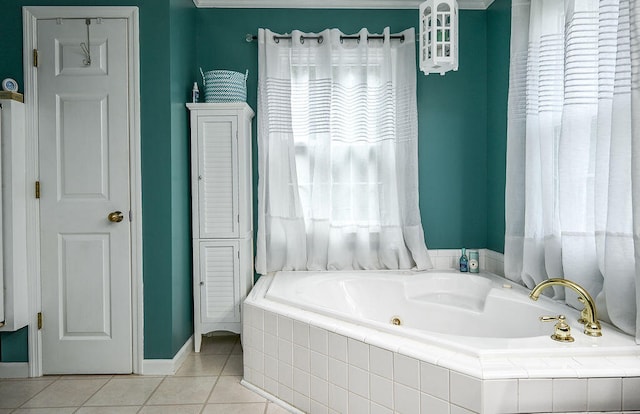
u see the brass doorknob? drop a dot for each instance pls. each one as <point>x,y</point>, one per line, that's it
<point>115,217</point>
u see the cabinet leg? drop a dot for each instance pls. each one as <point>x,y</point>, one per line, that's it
<point>197,342</point>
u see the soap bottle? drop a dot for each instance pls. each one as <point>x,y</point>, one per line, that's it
<point>474,262</point>
<point>195,93</point>
<point>464,262</point>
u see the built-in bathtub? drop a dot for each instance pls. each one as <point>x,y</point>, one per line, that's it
<point>330,342</point>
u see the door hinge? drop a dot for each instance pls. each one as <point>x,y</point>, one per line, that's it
<point>39,320</point>
<point>37,189</point>
<point>238,254</point>
<point>35,58</point>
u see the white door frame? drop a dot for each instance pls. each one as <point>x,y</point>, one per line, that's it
<point>30,16</point>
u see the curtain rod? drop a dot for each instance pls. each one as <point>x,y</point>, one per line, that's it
<point>250,38</point>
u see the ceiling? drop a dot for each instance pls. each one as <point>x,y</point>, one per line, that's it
<point>333,4</point>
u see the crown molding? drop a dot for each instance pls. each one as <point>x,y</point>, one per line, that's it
<point>332,4</point>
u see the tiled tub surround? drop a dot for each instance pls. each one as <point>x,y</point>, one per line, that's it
<point>321,364</point>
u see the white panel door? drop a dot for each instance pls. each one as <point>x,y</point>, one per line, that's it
<point>218,176</point>
<point>84,132</point>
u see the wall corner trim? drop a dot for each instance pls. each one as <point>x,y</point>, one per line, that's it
<point>167,366</point>
<point>14,370</point>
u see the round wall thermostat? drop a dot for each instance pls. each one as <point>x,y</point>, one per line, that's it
<point>9,85</point>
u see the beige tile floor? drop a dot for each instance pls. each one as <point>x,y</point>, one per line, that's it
<point>207,383</point>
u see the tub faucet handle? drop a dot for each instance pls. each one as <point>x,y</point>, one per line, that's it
<point>562,329</point>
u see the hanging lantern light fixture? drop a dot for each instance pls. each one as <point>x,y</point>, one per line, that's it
<point>438,36</point>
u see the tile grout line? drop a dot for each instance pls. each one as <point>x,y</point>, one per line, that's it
<point>226,361</point>
<point>267,401</point>
<point>98,390</point>
<point>144,404</point>
<point>206,401</point>
<point>150,394</point>
<point>36,394</point>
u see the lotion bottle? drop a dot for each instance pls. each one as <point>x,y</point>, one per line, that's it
<point>195,93</point>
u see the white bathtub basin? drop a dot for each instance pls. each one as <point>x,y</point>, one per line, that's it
<point>479,314</point>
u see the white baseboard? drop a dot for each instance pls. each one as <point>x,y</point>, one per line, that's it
<point>14,370</point>
<point>149,366</point>
<point>167,366</point>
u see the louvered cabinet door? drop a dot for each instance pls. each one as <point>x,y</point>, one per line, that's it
<point>220,282</point>
<point>218,177</point>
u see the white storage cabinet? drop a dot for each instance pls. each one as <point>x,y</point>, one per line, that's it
<point>13,251</point>
<point>222,215</point>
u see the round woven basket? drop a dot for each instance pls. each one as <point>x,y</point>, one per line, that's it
<point>224,86</point>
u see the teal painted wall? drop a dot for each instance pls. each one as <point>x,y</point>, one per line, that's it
<point>462,130</point>
<point>498,54</point>
<point>165,189</point>
<point>452,149</point>
<point>183,53</point>
<point>452,108</point>
<point>157,217</point>
<point>14,346</point>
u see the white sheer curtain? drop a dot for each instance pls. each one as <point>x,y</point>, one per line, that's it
<point>573,151</point>
<point>337,153</point>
